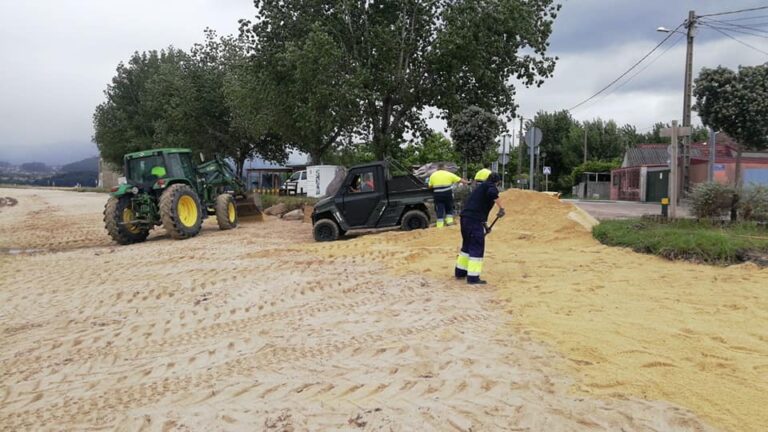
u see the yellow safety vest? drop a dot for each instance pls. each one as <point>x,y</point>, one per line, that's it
<point>441,180</point>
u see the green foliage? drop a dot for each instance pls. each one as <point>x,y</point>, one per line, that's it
<point>174,99</point>
<point>474,133</point>
<point>311,93</point>
<point>594,167</point>
<point>753,204</point>
<point>711,200</point>
<point>396,58</point>
<point>737,104</point>
<point>435,148</point>
<point>698,134</point>
<point>350,155</point>
<point>685,239</point>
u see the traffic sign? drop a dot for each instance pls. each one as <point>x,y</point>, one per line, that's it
<point>547,170</point>
<point>533,137</point>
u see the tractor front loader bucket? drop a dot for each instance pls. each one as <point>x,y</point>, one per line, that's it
<point>249,206</point>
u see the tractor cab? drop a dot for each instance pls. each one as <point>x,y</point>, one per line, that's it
<point>153,169</point>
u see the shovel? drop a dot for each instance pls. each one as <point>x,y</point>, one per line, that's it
<point>489,227</point>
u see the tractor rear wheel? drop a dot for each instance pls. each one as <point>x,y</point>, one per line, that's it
<point>325,230</point>
<point>180,211</point>
<point>226,211</point>
<point>117,216</point>
<point>414,219</point>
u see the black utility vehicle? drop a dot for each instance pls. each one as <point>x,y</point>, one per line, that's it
<point>371,197</point>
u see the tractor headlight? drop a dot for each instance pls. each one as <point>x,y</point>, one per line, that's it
<point>135,190</point>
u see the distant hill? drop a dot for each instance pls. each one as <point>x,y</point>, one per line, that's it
<point>90,164</point>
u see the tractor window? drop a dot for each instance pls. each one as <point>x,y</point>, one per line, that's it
<point>141,170</point>
<point>186,164</point>
<point>174,165</point>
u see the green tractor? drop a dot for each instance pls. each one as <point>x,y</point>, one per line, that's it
<point>164,187</point>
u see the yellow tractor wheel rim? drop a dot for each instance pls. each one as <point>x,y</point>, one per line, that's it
<point>187,210</point>
<point>127,218</point>
<point>231,212</point>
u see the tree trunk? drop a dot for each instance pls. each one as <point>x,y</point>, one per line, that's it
<point>737,185</point>
<point>239,165</point>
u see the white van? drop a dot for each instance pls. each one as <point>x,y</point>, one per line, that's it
<point>295,185</point>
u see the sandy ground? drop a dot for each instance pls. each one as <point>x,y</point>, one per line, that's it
<point>259,328</point>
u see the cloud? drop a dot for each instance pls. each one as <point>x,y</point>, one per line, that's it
<point>58,57</point>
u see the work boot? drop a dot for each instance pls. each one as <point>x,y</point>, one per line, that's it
<point>476,282</point>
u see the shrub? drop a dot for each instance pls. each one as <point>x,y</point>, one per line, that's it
<point>753,203</point>
<point>711,200</point>
<point>291,202</point>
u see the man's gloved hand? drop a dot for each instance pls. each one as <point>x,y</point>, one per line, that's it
<point>501,213</point>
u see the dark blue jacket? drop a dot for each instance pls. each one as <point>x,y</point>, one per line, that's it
<point>480,202</point>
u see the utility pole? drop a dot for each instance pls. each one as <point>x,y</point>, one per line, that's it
<point>712,154</point>
<point>520,149</point>
<point>585,143</point>
<point>691,27</point>
<point>673,172</point>
<point>504,139</point>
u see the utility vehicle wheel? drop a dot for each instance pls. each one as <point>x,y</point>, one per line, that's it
<point>414,219</point>
<point>117,215</point>
<point>326,230</point>
<point>180,211</point>
<point>226,212</point>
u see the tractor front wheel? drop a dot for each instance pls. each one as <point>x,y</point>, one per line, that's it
<point>118,215</point>
<point>226,211</point>
<point>180,211</point>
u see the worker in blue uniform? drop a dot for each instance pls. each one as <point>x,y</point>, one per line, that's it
<point>442,183</point>
<point>474,218</point>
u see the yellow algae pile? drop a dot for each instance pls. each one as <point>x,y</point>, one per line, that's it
<point>626,323</point>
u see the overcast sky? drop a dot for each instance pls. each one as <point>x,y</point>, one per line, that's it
<point>56,58</point>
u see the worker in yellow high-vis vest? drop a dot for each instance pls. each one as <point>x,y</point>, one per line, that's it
<point>442,183</point>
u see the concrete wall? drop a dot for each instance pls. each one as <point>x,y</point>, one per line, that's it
<point>601,189</point>
<point>107,176</point>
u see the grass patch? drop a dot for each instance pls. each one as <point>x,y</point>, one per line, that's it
<point>292,202</point>
<point>688,240</point>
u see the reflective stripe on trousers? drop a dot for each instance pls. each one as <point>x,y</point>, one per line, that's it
<point>474,266</point>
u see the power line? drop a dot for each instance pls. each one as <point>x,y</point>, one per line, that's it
<point>628,70</point>
<point>647,65</point>
<point>734,12</point>
<point>750,27</point>
<point>734,38</point>
<point>746,18</point>
<point>765,36</point>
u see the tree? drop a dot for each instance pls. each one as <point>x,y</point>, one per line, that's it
<point>174,99</point>
<point>312,94</point>
<point>561,141</point>
<point>737,104</point>
<point>216,71</point>
<point>127,120</point>
<point>402,57</point>
<point>474,133</point>
<point>435,148</point>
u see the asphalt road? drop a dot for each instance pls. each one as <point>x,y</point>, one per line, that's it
<point>602,210</point>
